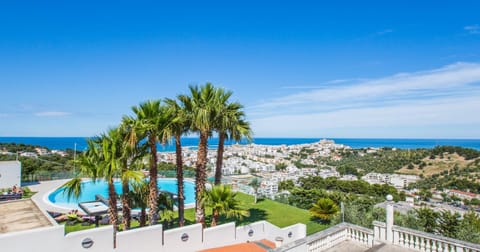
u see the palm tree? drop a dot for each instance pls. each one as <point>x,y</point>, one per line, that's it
<point>222,200</point>
<point>230,124</point>
<point>139,196</point>
<point>255,184</point>
<point>165,206</point>
<point>101,160</point>
<point>179,125</point>
<point>130,156</point>
<point>149,123</point>
<point>201,106</point>
<point>325,209</point>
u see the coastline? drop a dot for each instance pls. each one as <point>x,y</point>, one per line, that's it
<point>63,143</point>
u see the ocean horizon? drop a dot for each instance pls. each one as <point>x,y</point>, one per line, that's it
<point>63,143</point>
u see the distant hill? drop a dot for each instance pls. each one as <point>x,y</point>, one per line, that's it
<point>438,165</point>
<point>418,161</point>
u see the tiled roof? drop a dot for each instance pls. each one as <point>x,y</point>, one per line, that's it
<point>256,246</point>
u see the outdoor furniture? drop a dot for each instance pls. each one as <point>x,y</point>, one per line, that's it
<point>10,196</point>
<point>95,209</point>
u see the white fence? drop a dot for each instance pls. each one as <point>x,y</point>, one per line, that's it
<point>421,241</point>
<point>188,238</point>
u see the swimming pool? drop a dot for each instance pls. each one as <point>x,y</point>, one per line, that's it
<point>90,189</point>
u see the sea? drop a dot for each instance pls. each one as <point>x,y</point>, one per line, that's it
<point>63,143</point>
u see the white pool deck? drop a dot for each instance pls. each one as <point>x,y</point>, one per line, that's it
<point>43,189</point>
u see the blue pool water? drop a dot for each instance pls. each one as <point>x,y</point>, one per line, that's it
<point>90,189</point>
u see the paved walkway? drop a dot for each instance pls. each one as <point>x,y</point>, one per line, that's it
<point>350,246</point>
<point>30,213</point>
<point>18,215</point>
<point>43,189</point>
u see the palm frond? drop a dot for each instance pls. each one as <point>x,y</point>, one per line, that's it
<point>73,188</point>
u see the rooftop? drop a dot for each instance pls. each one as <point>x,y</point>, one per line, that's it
<point>256,246</point>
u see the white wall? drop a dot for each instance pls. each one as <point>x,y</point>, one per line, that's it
<point>10,174</point>
<point>34,240</point>
<point>219,236</point>
<point>102,238</point>
<point>140,239</point>
<point>145,239</point>
<point>297,231</point>
<point>243,232</point>
<point>172,238</point>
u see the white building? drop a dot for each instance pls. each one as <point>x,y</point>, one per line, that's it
<point>396,180</point>
<point>269,188</point>
<point>10,174</point>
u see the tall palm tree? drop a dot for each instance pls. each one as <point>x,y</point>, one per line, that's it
<point>111,169</point>
<point>325,209</point>
<point>131,153</point>
<point>201,106</point>
<point>101,160</point>
<point>230,124</point>
<point>255,184</point>
<point>179,125</point>
<point>149,123</point>
<point>222,200</point>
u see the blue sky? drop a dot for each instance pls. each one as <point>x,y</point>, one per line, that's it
<point>382,69</point>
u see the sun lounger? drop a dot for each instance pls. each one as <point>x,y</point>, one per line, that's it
<point>11,196</point>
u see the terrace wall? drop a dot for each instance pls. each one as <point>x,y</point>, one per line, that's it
<point>188,238</point>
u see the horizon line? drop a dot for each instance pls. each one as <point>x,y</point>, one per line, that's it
<point>267,137</point>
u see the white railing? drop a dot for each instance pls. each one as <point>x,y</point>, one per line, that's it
<point>417,240</point>
<point>360,234</point>
<point>327,238</point>
<point>331,237</point>
<point>421,241</point>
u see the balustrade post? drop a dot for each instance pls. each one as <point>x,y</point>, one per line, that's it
<point>389,220</point>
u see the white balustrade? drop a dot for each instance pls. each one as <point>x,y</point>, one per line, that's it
<point>421,241</point>
<point>337,234</point>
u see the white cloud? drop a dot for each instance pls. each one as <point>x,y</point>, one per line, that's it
<point>446,96</point>
<point>384,32</point>
<point>472,29</point>
<point>52,114</point>
<point>344,81</point>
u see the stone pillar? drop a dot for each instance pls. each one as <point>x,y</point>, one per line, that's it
<point>389,220</point>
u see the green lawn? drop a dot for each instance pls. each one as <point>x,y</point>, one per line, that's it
<point>279,214</point>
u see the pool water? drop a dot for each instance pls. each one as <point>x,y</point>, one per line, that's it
<point>90,189</point>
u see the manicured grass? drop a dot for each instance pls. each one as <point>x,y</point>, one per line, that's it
<point>77,227</point>
<point>279,214</point>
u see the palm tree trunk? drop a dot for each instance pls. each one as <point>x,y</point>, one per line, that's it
<point>143,217</point>
<point>215,216</point>
<point>220,149</point>
<point>153,196</point>
<point>200,177</point>
<point>112,209</point>
<point>181,203</point>
<point>126,211</point>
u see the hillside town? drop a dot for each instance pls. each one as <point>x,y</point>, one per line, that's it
<point>272,164</point>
